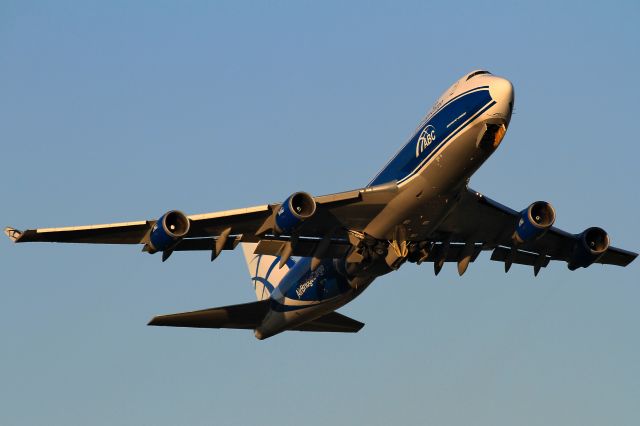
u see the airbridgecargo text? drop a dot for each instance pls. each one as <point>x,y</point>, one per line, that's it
<point>303,287</point>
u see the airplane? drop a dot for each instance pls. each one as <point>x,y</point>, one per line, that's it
<point>308,256</point>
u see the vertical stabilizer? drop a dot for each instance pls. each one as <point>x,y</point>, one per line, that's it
<point>264,270</point>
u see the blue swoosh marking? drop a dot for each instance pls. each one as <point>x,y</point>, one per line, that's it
<point>405,163</point>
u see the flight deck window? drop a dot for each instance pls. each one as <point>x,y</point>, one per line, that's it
<point>473,74</point>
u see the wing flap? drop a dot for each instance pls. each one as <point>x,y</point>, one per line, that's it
<point>454,252</point>
<point>521,257</point>
<point>303,247</point>
<point>208,244</point>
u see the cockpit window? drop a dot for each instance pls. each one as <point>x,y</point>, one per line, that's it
<point>473,74</point>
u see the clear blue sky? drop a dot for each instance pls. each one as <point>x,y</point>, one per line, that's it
<point>118,111</point>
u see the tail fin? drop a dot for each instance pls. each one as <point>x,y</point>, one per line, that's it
<point>264,271</point>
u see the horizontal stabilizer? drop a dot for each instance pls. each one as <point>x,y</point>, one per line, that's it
<point>332,322</point>
<point>247,316</point>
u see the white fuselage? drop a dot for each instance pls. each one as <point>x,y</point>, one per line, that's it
<point>459,133</point>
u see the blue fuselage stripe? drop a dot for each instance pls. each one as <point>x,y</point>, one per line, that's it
<point>447,122</point>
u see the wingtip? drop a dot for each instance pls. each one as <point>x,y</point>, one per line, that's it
<point>13,234</point>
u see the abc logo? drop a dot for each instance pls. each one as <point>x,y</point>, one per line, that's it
<point>427,136</point>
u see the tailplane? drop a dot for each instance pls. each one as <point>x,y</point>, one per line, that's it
<point>246,315</point>
<point>266,276</point>
<point>264,270</point>
<point>249,316</point>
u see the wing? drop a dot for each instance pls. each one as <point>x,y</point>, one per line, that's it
<point>108,233</point>
<point>483,222</point>
<point>328,228</point>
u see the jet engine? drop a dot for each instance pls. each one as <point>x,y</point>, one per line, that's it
<point>297,208</point>
<point>591,244</point>
<point>534,221</point>
<point>168,230</point>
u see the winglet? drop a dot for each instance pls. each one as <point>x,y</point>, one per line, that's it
<point>12,233</point>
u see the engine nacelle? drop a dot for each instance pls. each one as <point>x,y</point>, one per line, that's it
<point>534,221</point>
<point>168,230</point>
<point>591,244</point>
<point>299,207</point>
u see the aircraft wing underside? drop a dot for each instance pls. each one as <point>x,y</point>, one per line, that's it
<point>489,225</point>
<point>335,214</point>
<point>475,224</point>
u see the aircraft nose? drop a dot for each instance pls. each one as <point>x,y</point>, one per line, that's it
<point>502,92</point>
<point>501,89</point>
